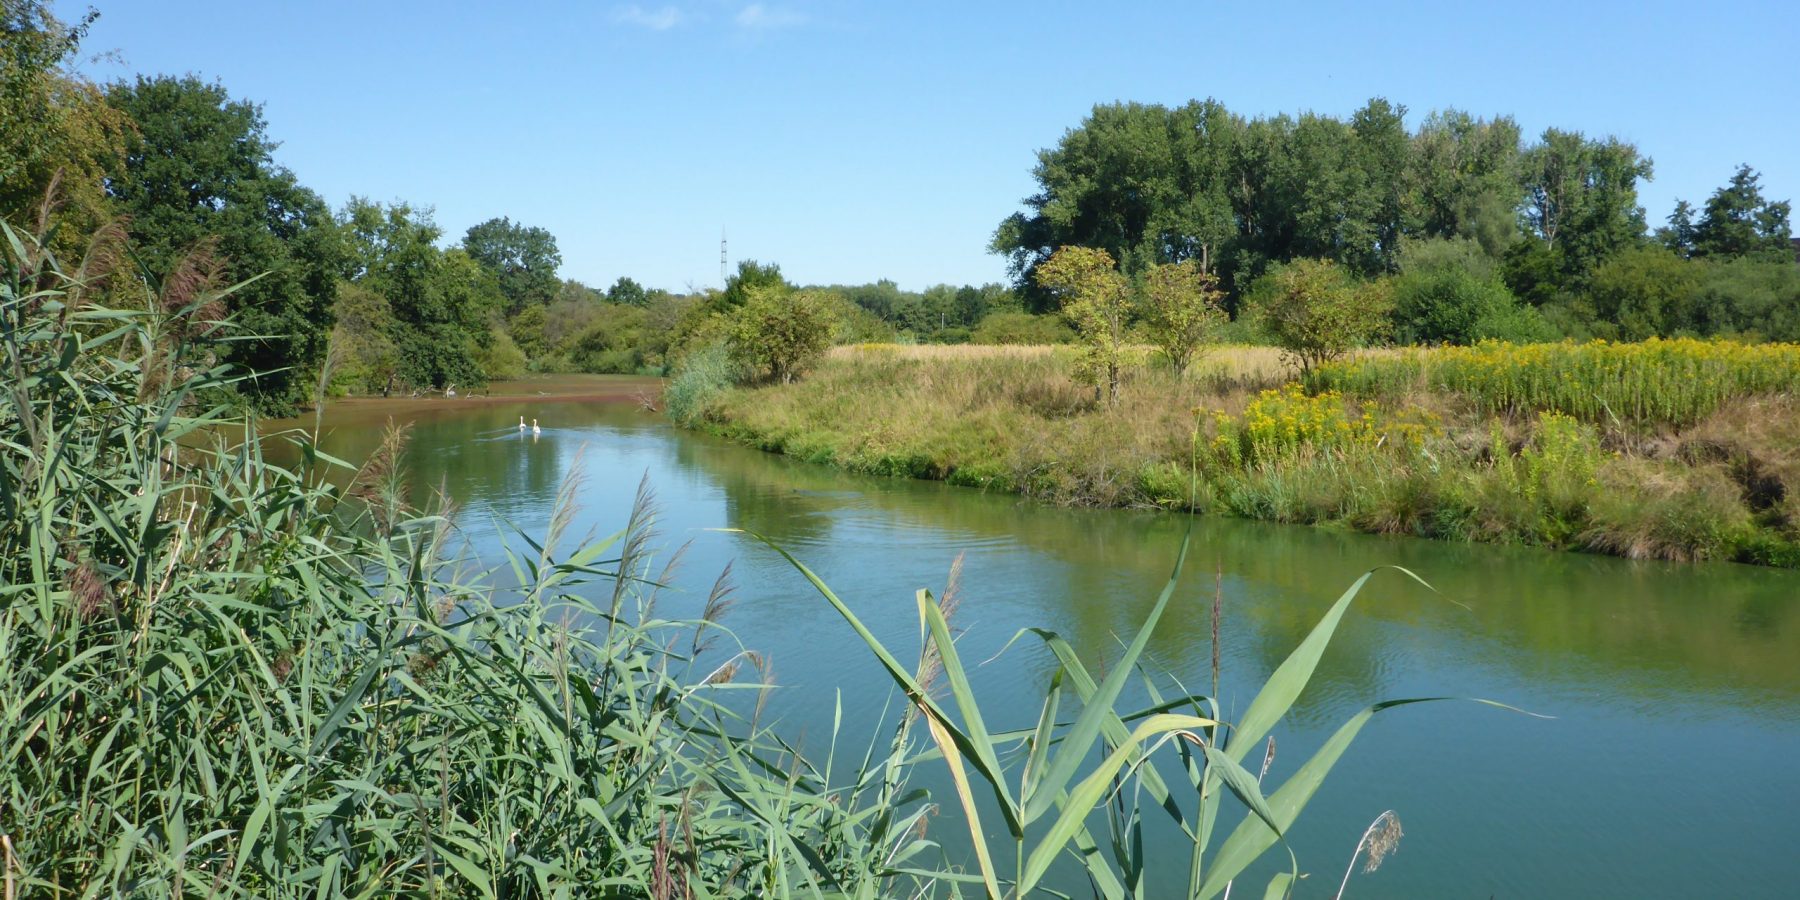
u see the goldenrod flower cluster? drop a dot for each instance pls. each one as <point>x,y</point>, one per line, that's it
<point>1659,381</point>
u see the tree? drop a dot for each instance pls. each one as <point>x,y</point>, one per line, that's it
<point>626,292</point>
<point>1316,311</point>
<point>1182,310</point>
<point>1096,299</point>
<point>199,168</point>
<point>1462,180</point>
<point>750,278</point>
<point>1739,222</point>
<point>1678,235</point>
<point>1581,200</point>
<point>1645,292</point>
<point>445,305</point>
<point>780,330</point>
<point>524,259</point>
<point>58,127</point>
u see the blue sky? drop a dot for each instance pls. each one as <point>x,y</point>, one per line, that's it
<point>850,142</point>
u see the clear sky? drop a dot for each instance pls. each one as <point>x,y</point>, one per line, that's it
<point>850,141</point>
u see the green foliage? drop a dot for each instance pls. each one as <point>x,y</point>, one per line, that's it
<point>1182,310</point>
<point>363,358</point>
<point>501,358</point>
<point>1446,293</point>
<point>1316,311</point>
<point>442,305</point>
<point>1020,328</point>
<point>781,332</point>
<point>1751,297</point>
<point>274,682</point>
<point>1096,299</point>
<point>700,378</point>
<point>59,129</point>
<point>1738,221</point>
<point>198,171</point>
<point>626,292</point>
<point>1645,292</point>
<point>750,278</point>
<point>1463,181</point>
<point>524,259</point>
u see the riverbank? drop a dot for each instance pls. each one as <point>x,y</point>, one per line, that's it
<point>1578,447</point>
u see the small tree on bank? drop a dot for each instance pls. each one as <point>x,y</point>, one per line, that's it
<point>784,332</point>
<point>1182,310</point>
<point>1316,311</point>
<point>1097,302</point>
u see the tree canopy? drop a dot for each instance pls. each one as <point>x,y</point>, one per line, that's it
<point>525,259</point>
<point>198,169</point>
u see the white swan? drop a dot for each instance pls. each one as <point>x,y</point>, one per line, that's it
<point>534,427</point>
<point>521,423</point>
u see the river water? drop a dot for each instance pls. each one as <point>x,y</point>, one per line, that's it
<point>1671,767</point>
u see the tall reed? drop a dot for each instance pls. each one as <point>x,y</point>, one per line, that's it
<point>220,676</point>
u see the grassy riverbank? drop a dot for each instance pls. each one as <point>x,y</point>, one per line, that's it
<point>1682,450</point>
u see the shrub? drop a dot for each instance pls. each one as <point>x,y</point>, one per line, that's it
<point>1182,310</point>
<point>1020,328</point>
<point>1317,311</point>
<point>783,332</point>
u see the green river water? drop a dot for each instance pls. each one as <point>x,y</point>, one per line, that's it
<point>1671,767</point>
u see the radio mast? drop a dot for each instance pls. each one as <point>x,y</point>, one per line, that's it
<point>721,256</point>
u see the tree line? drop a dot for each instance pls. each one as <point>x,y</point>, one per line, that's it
<point>1454,231</point>
<point>1474,215</point>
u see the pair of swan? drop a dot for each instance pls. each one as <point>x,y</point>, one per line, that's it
<point>534,426</point>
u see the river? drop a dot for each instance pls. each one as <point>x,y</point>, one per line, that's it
<point>1669,768</point>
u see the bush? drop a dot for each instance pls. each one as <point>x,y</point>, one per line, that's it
<point>1020,328</point>
<point>780,331</point>
<point>1440,299</point>
<point>1317,311</point>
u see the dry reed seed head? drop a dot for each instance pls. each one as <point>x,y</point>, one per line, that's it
<point>188,289</point>
<point>1384,838</point>
<point>88,590</point>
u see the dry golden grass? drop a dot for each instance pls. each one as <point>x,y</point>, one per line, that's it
<point>1241,362</point>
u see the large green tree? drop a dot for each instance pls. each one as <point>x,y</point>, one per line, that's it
<point>1739,221</point>
<point>524,258</point>
<point>444,305</point>
<point>199,168</point>
<point>1463,181</point>
<point>55,127</point>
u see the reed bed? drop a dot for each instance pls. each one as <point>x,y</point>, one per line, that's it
<point>222,677</point>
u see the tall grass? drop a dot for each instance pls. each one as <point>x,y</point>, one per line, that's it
<point>222,677</point>
<point>1655,382</point>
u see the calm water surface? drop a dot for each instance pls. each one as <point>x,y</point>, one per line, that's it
<point>1669,769</point>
